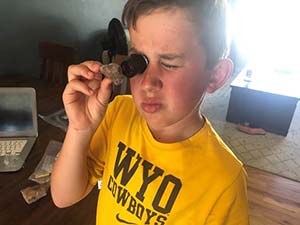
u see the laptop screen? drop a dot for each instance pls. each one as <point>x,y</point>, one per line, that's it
<point>17,111</point>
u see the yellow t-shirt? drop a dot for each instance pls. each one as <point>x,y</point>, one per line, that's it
<point>193,182</point>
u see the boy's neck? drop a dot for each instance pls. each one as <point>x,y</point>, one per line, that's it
<point>178,132</point>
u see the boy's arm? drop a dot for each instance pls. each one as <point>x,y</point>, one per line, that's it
<point>69,179</point>
<point>232,206</point>
<point>85,101</point>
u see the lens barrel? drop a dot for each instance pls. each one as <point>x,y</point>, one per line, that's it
<point>135,64</point>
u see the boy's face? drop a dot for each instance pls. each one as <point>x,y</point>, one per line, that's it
<point>171,89</point>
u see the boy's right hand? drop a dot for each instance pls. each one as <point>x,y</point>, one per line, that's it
<point>86,96</point>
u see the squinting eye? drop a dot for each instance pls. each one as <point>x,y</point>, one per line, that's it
<point>170,66</point>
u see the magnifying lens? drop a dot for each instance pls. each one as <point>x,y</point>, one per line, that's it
<point>135,64</point>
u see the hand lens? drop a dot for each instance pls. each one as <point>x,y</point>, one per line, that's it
<point>135,64</point>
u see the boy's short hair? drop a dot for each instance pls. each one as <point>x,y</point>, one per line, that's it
<point>208,15</point>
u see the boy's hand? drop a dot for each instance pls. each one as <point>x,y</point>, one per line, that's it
<point>86,96</point>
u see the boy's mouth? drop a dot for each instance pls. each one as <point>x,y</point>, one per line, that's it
<point>151,107</point>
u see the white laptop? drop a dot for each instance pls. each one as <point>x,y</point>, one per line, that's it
<point>18,126</point>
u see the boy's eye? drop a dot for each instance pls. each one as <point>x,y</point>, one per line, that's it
<point>169,66</point>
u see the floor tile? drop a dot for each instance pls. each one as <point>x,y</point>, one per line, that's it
<point>270,152</point>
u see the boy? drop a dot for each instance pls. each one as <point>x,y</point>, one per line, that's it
<point>161,162</point>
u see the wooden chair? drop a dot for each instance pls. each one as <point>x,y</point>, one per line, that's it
<point>55,59</point>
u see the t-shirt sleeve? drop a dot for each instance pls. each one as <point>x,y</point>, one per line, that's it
<point>232,206</point>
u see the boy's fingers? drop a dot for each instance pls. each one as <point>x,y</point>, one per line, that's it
<point>94,66</point>
<point>88,70</point>
<point>77,86</point>
<point>105,91</point>
<point>79,71</point>
<point>94,84</point>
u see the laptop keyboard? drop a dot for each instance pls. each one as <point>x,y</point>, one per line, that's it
<point>11,147</point>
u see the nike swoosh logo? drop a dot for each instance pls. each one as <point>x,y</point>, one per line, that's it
<point>123,221</point>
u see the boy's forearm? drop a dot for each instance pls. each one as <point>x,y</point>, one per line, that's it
<point>69,179</point>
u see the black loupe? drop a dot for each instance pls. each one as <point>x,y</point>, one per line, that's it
<point>135,64</point>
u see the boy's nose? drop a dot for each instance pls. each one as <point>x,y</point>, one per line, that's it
<point>151,80</point>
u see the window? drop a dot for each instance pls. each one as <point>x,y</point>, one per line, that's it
<point>267,32</point>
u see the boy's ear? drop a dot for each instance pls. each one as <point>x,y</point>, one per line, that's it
<point>219,75</point>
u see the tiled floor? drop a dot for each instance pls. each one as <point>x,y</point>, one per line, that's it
<point>270,152</point>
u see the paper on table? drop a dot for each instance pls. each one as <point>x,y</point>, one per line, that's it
<point>58,119</point>
<point>43,170</point>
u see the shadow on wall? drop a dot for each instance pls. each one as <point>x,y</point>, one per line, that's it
<point>19,44</point>
<point>91,48</point>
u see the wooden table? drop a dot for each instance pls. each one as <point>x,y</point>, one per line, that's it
<point>268,100</point>
<point>13,208</point>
